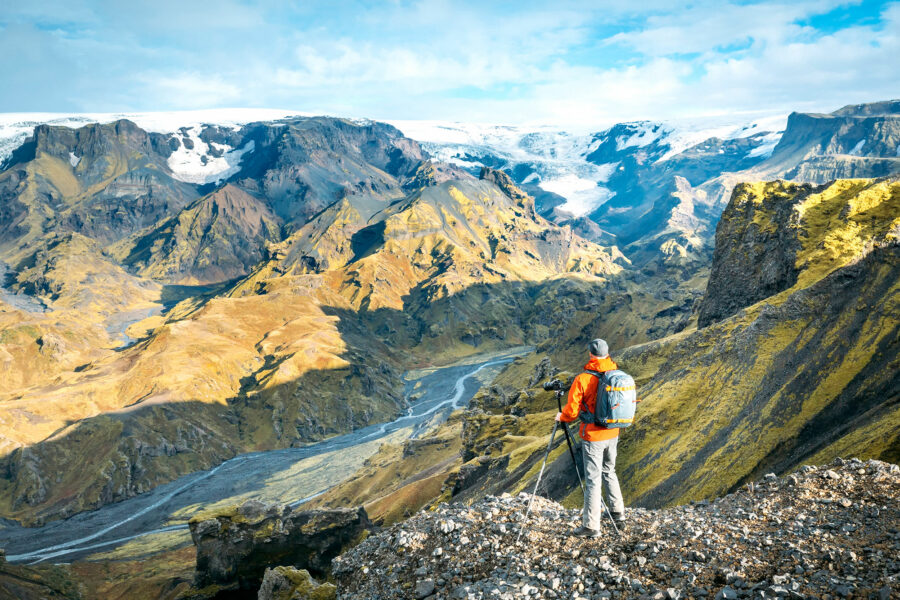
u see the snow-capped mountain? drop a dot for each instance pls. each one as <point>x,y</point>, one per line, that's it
<point>549,159</point>
<point>567,164</point>
<point>196,159</point>
<point>642,182</point>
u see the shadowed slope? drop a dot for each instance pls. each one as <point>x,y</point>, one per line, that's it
<point>217,238</point>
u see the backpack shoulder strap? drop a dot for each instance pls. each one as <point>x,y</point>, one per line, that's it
<point>600,375</point>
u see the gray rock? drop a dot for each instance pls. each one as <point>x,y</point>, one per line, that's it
<point>424,588</point>
<point>726,593</point>
<point>296,584</point>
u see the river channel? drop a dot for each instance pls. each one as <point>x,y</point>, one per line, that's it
<point>292,475</point>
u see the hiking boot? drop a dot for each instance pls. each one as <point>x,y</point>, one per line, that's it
<point>619,520</point>
<point>586,533</point>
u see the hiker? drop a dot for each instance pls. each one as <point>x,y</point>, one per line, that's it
<point>598,446</point>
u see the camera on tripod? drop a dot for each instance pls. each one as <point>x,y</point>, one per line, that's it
<point>554,385</point>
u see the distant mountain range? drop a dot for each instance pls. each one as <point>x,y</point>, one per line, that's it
<point>627,180</point>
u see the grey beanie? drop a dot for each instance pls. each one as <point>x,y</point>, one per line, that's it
<point>599,348</point>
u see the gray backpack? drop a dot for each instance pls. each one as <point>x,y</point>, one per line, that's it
<point>616,400</point>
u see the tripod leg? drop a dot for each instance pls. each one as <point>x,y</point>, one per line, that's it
<point>574,461</point>
<point>538,482</point>
<point>559,395</point>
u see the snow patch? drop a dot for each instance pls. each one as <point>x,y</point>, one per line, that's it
<point>682,134</point>
<point>74,160</point>
<point>857,148</point>
<point>555,157</point>
<point>15,128</point>
<point>646,133</point>
<point>188,164</point>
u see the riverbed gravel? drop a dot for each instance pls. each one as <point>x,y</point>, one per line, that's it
<point>821,532</point>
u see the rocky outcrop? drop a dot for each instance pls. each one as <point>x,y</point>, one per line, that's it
<point>852,143</point>
<point>819,532</point>
<point>506,184</point>
<point>234,548</point>
<point>105,181</point>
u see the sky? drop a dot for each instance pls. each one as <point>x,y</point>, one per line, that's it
<point>517,63</point>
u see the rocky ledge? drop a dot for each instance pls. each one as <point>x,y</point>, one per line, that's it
<point>235,547</point>
<point>829,532</point>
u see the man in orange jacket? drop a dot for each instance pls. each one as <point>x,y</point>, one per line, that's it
<point>599,444</point>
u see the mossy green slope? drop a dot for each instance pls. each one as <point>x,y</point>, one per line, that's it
<point>802,375</point>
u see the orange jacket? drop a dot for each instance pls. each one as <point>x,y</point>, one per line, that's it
<point>584,391</point>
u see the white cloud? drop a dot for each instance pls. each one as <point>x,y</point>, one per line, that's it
<point>192,90</point>
<point>706,28</point>
<point>573,63</point>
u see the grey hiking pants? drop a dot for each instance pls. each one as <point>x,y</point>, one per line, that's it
<point>600,465</point>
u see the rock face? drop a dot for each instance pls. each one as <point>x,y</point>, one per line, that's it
<point>757,241</point>
<point>851,142</point>
<point>235,548</point>
<point>105,181</point>
<point>769,229</point>
<point>816,533</point>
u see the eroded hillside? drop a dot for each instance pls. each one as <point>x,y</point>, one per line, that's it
<point>157,323</point>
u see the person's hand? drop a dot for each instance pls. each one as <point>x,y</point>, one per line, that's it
<point>559,417</point>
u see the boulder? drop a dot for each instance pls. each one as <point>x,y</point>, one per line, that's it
<point>288,583</point>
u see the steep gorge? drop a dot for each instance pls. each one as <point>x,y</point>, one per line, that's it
<point>801,375</point>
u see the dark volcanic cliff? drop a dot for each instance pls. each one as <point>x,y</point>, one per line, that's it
<point>757,241</point>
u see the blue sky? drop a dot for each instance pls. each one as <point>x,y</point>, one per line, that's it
<point>503,62</point>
